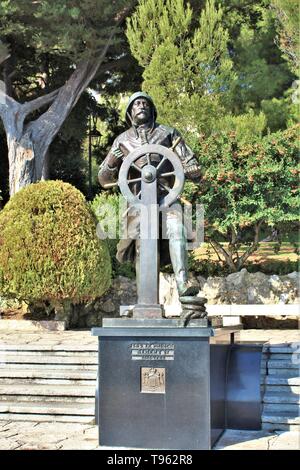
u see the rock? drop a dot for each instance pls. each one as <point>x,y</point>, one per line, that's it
<point>295,277</point>
<point>215,290</point>
<point>258,289</point>
<point>168,295</point>
<point>201,281</point>
<point>108,306</point>
<point>281,284</point>
<point>92,320</point>
<point>237,280</point>
<point>284,288</point>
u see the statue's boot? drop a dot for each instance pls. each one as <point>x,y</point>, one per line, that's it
<point>184,286</point>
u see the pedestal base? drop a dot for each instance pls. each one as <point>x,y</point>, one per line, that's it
<point>154,387</point>
<point>162,386</point>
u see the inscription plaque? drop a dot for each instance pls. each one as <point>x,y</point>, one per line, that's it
<point>153,380</point>
<point>152,351</point>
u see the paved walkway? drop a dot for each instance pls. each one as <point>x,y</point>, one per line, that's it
<point>67,436</point>
<point>82,339</point>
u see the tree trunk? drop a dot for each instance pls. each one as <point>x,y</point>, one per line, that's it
<point>22,162</point>
<point>26,158</point>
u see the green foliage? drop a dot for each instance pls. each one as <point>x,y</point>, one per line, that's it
<point>215,67</point>
<point>46,39</point>
<point>59,26</point>
<point>263,75</point>
<point>188,70</point>
<point>247,185</point>
<point>108,208</point>
<point>49,250</point>
<point>274,267</point>
<point>260,76</point>
<point>287,13</point>
<point>247,127</point>
<point>207,267</point>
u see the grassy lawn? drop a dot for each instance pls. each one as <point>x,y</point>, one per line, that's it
<point>264,253</point>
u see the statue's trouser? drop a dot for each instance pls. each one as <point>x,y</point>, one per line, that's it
<point>173,229</point>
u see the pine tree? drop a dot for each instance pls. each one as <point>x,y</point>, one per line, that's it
<point>214,66</point>
<point>187,69</point>
<point>287,13</point>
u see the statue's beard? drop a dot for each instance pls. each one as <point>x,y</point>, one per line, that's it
<point>142,118</point>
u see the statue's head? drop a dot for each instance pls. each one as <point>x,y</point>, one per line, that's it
<point>140,109</point>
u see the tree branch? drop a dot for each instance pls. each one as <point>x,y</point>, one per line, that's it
<point>216,251</point>
<point>49,123</point>
<point>37,103</point>
<point>221,250</point>
<point>254,245</point>
<point>8,107</point>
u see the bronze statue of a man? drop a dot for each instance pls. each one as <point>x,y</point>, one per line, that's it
<point>141,117</point>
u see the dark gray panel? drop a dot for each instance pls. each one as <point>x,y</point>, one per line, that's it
<point>218,377</point>
<point>178,419</point>
<point>244,404</point>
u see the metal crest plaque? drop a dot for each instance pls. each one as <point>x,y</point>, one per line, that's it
<point>153,380</point>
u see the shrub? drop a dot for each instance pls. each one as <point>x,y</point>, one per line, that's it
<point>49,250</point>
<point>106,207</point>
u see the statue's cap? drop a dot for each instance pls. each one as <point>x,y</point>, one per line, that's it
<point>138,94</point>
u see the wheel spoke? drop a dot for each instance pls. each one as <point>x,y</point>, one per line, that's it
<point>137,168</point>
<point>169,173</point>
<point>165,187</point>
<point>160,163</point>
<point>134,180</point>
<point>138,194</point>
<point>148,159</point>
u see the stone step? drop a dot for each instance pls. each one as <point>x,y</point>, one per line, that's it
<point>280,427</point>
<point>270,389</point>
<point>50,382</point>
<point>49,408</point>
<point>45,390</point>
<point>278,357</point>
<point>36,359</point>
<point>281,397</point>
<point>282,365</point>
<point>38,418</point>
<point>281,408</point>
<point>50,352</point>
<point>47,374</point>
<point>283,373</point>
<point>72,346</point>
<point>278,417</point>
<point>281,349</point>
<point>279,380</point>
<point>51,398</point>
<point>62,367</point>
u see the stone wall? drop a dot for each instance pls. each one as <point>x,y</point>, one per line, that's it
<point>251,288</point>
<point>122,292</point>
<point>237,288</point>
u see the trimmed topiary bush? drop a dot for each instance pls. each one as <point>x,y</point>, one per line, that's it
<point>49,250</point>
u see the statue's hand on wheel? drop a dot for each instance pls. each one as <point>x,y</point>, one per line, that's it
<point>192,171</point>
<point>115,157</point>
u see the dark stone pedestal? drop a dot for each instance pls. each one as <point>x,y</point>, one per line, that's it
<point>154,387</point>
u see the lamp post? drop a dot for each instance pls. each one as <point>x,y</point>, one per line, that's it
<point>94,136</point>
